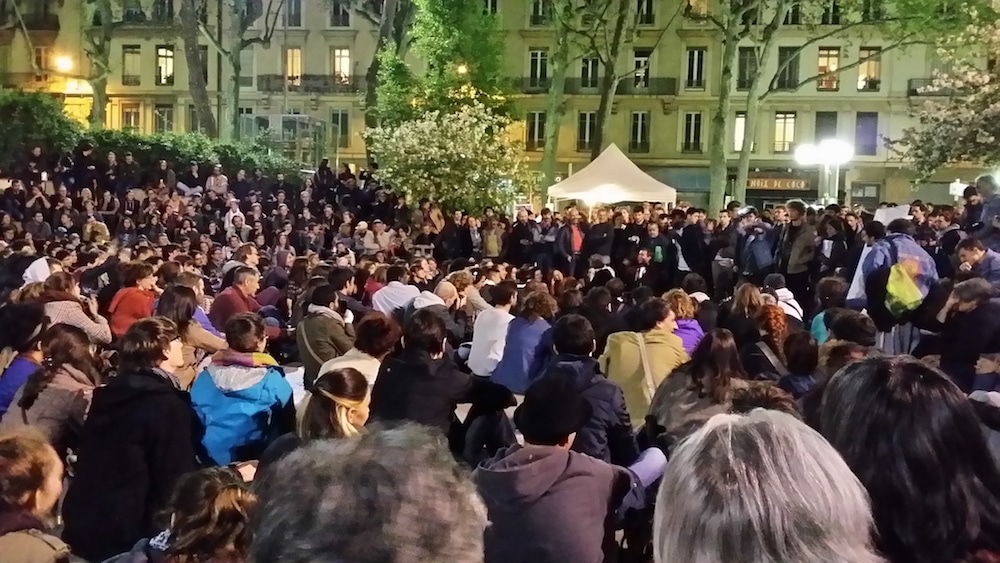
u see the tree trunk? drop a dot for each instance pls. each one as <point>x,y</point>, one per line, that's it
<point>236,69</point>
<point>755,97</point>
<point>610,80</point>
<point>386,26</point>
<point>718,136</point>
<point>196,69</point>
<point>99,102</point>
<point>556,107</point>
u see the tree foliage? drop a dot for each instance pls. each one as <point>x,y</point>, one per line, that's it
<point>34,119</point>
<point>462,48</point>
<point>962,123</point>
<point>463,160</point>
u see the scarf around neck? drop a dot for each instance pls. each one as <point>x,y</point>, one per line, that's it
<point>245,359</point>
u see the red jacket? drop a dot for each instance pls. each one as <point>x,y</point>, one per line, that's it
<point>129,305</point>
<point>230,302</point>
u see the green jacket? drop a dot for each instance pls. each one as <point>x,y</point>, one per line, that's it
<point>322,335</point>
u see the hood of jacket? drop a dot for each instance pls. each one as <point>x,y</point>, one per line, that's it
<point>323,311</point>
<point>788,303</point>
<point>517,477</point>
<point>128,387</point>
<point>126,293</point>
<point>581,371</point>
<point>238,380</point>
<point>232,264</point>
<point>38,271</point>
<point>426,299</point>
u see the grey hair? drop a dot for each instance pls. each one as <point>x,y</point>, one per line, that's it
<point>393,495</point>
<point>761,487</point>
<point>974,290</point>
<point>986,184</point>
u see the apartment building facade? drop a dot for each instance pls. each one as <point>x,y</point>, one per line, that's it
<point>315,63</point>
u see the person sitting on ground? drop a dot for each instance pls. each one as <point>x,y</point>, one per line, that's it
<point>179,304</point>
<point>140,436</point>
<point>685,310</point>
<point>546,502</point>
<point>396,293</point>
<point>701,388</point>
<point>851,326</point>
<point>134,301</point>
<point>31,482</point>
<point>64,304</point>
<point>607,435</point>
<point>765,359</point>
<point>21,327</point>
<point>831,293</point>
<point>768,469</point>
<point>421,384</point>
<point>443,302</point>
<point>528,346</point>
<point>396,491</point>
<point>56,398</point>
<point>802,354</point>
<point>239,298</point>
<point>338,406</point>
<point>376,336</point>
<point>323,333</point>
<point>490,330</point>
<point>786,300</point>
<point>242,397</point>
<point>979,261</point>
<point>206,520</point>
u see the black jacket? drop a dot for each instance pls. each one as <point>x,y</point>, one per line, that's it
<point>415,388</point>
<point>694,247</point>
<point>608,434</point>
<point>140,436</point>
<point>599,240</point>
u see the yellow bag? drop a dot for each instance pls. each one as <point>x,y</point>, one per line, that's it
<point>902,294</point>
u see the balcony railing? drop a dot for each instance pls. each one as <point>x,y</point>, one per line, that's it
<point>638,146</point>
<point>538,20</point>
<point>534,84</point>
<point>648,87</point>
<point>41,22</point>
<point>309,84</point>
<point>580,86</point>
<point>917,87</point>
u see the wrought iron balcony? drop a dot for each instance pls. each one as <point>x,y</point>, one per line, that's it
<point>309,84</point>
<point>919,87</point>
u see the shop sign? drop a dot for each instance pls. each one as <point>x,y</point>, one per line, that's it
<point>780,184</point>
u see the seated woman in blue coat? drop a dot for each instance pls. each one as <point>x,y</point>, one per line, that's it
<point>242,397</point>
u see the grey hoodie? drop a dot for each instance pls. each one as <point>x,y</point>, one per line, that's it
<point>548,505</point>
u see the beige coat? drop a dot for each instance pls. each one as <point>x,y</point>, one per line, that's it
<point>32,546</point>
<point>196,338</point>
<point>622,363</point>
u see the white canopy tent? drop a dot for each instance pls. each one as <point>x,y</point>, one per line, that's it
<point>613,178</point>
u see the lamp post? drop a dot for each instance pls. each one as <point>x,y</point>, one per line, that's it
<point>829,155</point>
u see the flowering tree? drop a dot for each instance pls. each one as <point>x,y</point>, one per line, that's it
<point>463,160</point>
<point>963,124</point>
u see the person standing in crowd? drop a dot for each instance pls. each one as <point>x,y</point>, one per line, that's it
<point>796,251</point>
<point>977,260</point>
<point>693,249</point>
<point>600,237</point>
<point>569,243</point>
<point>242,397</point>
<point>31,482</point>
<point>972,210</point>
<point>522,237</point>
<point>140,436</point>
<point>754,249</point>
<point>923,231</point>
<point>988,232</point>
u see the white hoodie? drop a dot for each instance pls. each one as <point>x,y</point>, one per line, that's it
<point>788,303</point>
<point>38,271</point>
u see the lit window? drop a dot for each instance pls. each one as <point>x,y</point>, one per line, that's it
<point>164,65</point>
<point>827,64</point>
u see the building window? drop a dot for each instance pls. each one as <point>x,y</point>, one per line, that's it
<point>640,61</point>
<point>164,65</point>
<point>194,124</point>
<point>826,66</point>
<point>42,59</point>
<point>131,65</point>
<point>787,77</point>
<point>696,68</point>
<point>644,11</point>
<point>293,66</point>
<point>163,118</point>
<point>536,131</point>
<point>490,6</point>
<point>870,69</point>
<point>590,69</point>
<point>872,10</point>
<point>131,114</point>
<point>246,67</point>
<point>245,111</point>
<point>739,131</point>
<point>784,131</point>
<point>538,68</point>
<point>586,130</point>
<point>639,135</point>
<point>341,121</point>
<point>793,16</point>
<point>866,133</point>
<point>831,13</point>
<point>539,13</point>
<point>746,67</point>
<point>292,13</point>
<point>203,54</point>
<point>692,132</point>
<point>163,11</point>
<point>340,13</point>
<point>340,59</point>
<point>826,125</point>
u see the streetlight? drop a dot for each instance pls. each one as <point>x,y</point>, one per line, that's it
<point>830,155</point>
<point>63,64</point>
<point>462,69</point>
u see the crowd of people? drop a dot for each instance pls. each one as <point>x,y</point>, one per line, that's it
<point>204,369</point>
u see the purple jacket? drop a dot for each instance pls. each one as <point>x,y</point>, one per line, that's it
<point>690,333</point>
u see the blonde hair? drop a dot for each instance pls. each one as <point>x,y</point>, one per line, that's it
<point>748,300</point>
<point>327,409</point>
<point>30,292</point>
<point>682,304</point>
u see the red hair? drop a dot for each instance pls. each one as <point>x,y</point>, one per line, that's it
<point>775,326</point>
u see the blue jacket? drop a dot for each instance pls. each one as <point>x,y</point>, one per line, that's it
<point>526,351</point>
<point>987,233</point>
<point>608,434</point>
<point>989,267</point>
<point>243,409</point>
<point>13,378</point>
<point>757,248</point>
<point>882,255</point>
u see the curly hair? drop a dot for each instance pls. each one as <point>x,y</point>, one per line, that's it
<point>682,304</point>
<point>208,517</point>
<point>775,326</point>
